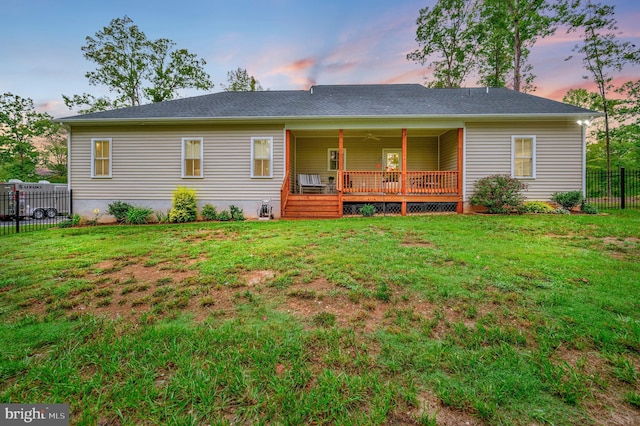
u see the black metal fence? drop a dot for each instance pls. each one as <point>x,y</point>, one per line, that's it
<point>25,211</point>
<point>618,189</point>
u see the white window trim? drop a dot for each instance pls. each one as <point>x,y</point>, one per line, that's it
<point>344,159</point>
<point>184,141</point>
<point>93,158</point>
<point>270,139</point>
<point>533,156</point>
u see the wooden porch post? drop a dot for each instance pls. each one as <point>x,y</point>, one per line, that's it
<point>404,171</point>
<point>340,182</point>
<point>460,206</point>
<point>287,153</point>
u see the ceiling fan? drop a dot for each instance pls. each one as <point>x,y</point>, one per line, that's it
<point>370,137</point>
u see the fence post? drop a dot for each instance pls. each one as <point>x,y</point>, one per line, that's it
<point>16,210</point>
<point>623,197</point>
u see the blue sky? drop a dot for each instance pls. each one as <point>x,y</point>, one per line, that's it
<point>285,44</point>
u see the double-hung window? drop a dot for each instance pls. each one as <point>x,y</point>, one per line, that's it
<point>523,157</point>
<point>101,158</point>
<point>332,159</point>
<point>192,157</point>
<point>261,157</point>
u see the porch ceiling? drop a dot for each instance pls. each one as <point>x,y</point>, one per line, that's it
<point>367,133</point>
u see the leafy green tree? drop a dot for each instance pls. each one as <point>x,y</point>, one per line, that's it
<point>20,124</point>
<point>510,28</point>
<point>446,37</point>
<point>603,54</point>
<point>624,126</point>
<point>239,80</point>
<point>136,68</point>
<point>55,153</point>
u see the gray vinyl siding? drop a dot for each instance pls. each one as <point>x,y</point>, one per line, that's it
<point>558,155</point>
<point>449,150</point>
<point>146,163</point>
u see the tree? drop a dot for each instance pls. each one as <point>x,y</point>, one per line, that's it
<point>624,126</point>
<point>19,125</point>
<point>602,55</point>
<point>510,29</point>
<point>239,80</point>
<point>446,36</point>
<point>136,68</point>
<point>55,152</point>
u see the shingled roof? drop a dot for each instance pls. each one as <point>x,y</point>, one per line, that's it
<point>384,100</point>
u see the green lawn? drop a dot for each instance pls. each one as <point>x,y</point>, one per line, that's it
<point>442,319</point>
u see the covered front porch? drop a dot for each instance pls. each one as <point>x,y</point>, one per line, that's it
<point>401,170</point>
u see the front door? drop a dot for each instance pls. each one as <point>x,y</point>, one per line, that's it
<point>392,160</point>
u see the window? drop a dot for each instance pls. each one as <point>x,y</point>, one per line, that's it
<point>261,157</point>
<point>332,159</point>
<point>523,156</point>
<point>191,157</point>
<point>101,158</point>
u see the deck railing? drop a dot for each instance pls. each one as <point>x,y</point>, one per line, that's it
<point>438,182</point>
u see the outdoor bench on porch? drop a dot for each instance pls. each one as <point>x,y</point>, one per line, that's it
<point>309,181</point>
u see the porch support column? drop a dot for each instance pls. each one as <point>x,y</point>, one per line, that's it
<point>460,206</point>
<point>340,174</point>
<point>404,171</point>
<point>287,154</point>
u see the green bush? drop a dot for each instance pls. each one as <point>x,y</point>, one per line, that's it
<point>567,200</point>
<point>224,216</point>
<point>236,213</point>
<point>561,210</point>
<point>499,194</point>
<point>73,221</point>
<point>138,215</point>
<point>589,208</point>
<point>162,217</point>
<point>368,210</point>
<point>119,209</point>
<point>536,207</point>
<point>185,206</point>
<point>209,212</point>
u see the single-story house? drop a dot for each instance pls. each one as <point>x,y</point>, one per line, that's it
<point>326,151</point>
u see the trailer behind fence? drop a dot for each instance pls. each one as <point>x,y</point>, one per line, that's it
<point>27,206</point>
<point>618,189</point>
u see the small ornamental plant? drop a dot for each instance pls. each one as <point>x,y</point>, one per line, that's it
<point>209,212</point>
<point>567,200</point>
<point>368,210</point>
<point>185,206</point>
<point>499,194</point>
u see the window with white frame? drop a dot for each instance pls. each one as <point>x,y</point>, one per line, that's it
<point>523,156</point>
<point>332,159</point>
<point>101,158</point>
<point>192,157</point>
<point>261,157</point>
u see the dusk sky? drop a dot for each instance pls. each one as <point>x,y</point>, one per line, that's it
<point>285,44</point>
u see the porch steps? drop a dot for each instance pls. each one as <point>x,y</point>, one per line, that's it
<point>312,206</point>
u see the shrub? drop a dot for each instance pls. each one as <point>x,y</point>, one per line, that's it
<point>224,216</point>
<point>236,213</point>
<point>162,217</point>
<point>589,208</point>
<point>561,210</point>
<point>138,215</point>
<point>185,206</point>
<point>499,194</point>
<point>119,209</point>
<point>567,200</point>
<point>73,221</point>
<point>209,212</point>
<point>536,207</point>
<point>368,210</point>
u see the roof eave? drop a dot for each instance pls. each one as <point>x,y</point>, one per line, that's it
<point>252,119</point>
